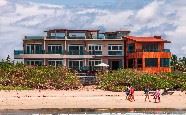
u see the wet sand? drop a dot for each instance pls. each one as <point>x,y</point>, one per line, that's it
<point>84,98</point>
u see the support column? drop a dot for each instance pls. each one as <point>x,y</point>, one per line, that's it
<point>143,63</point>
<point>136,63</point>
<point>65,62</point>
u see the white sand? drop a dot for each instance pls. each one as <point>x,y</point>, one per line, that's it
<point>86,98</point>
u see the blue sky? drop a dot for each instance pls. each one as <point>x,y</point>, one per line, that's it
<point>143,17</point>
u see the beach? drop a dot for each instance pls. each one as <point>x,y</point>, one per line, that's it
<point>84,98</point>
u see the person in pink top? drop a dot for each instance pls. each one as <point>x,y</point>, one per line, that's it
<point>157,95</point>
<point>131,94</point>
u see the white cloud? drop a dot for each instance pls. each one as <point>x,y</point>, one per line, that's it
<point>3,2</point>
<point>148,12</point>
<point>18,19</point>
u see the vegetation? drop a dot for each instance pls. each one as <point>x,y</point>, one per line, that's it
<point>178,64</point>
<point>117,80</point>
<point>20,76</point>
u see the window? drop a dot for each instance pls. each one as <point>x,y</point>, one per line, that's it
<point>115,50</point>
<point>94,62</point>
<point>55,49</point>
<point>75,64</point>
<point>54,62</point>
<point>101,36</point>
<point>139,62</point>
<point>95,49</point>
<point>111,36</point>
<point>34,49</point>
<point>57,35</point>
<point>131,63</point>
<point>131,48</point>
<point>150,47</point>
<point>76,36</point>
<point>151,62</point>
<point>34,62</point>
<point>164,62</point>
<point>76,49</point>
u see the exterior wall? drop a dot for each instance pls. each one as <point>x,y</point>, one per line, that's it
<point>65,43</point>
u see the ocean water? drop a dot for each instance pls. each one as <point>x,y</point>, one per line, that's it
<point>71,111</point>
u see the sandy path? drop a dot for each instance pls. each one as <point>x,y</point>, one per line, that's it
<point>85,98</point>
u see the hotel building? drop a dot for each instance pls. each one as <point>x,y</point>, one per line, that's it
<point>86,48</point>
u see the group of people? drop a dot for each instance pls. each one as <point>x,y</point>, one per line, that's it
<point>130,94</point>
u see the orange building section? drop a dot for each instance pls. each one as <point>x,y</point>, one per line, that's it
<point>147,54</point>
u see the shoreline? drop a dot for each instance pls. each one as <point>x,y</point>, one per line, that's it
<point>93,99</point>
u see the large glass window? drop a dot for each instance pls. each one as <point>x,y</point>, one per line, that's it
<point>115,49</point>
<point>101,36</point>
<point>76,49</point>
<point>164,62</point>
<point>111,36</point>
<point>151,62</point>
<point>34,49</point>
<point>131,47</point>
<point>76,36</point>
<point>95,49</point>
<point>55,49</point>
<point>55,62</point>
<point>57,35</point>
<point>150,47</point>
<point>34,62</point>
<point>75,64</point>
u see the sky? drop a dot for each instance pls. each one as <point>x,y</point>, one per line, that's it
<point>19,18</point>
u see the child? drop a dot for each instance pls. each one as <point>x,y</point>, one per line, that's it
<point>157,95</point>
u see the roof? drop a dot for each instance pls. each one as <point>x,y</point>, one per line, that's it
<point>147,39</point>
<point>70,30</point>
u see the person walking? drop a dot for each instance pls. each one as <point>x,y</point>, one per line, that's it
<point>131,95</point>
<point>127,92</point>
<point>157,96</point>
<point>146,92</point>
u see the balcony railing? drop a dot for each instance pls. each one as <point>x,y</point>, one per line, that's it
<point>95,52</point>
<point>77,52</point>
<point>18,52</point>
<point>115,52</point>
<point>33,37</point>
<point>72,52</point>
<point>56,37</point>
<point>149,50</point>
<point>76,37</point>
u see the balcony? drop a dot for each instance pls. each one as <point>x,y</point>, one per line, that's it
<point>77,52</point>
<point>115,53</point>
<point>148,50</point>
<point>34,37</point>
<point>56,37</point>
<point>76,37</point>
<point>20,54</point>
<point>95,52</point>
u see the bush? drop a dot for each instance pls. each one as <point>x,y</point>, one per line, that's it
<point>117,80</point>
<point>37,77</point>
